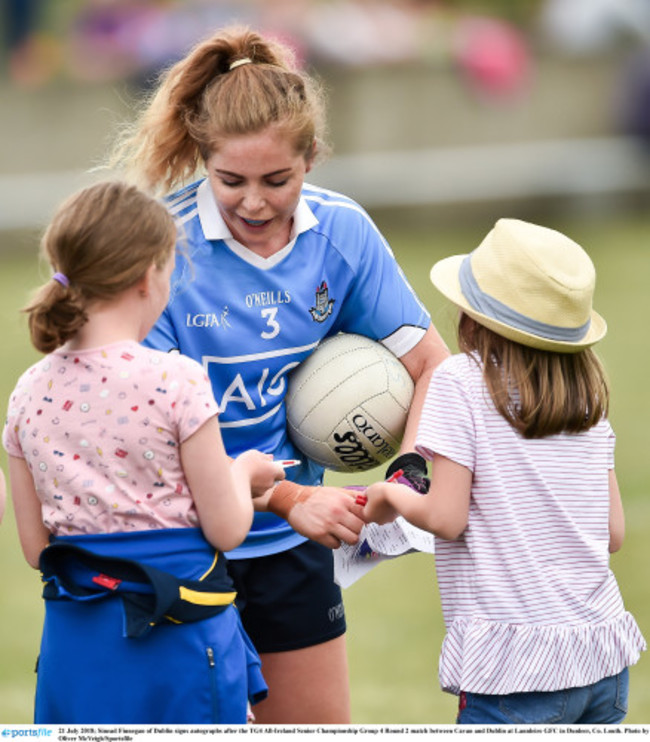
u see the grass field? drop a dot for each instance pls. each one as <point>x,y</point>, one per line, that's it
<point>395,626</point>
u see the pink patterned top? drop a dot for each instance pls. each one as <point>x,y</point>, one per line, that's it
<point>100,430</point>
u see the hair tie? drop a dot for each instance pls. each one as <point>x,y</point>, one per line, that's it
<point>62,279</point>
<point>239,62</point>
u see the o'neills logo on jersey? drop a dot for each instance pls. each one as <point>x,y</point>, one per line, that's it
<point>324,304</point>
<point>267,298</point>
<point>208,319</point>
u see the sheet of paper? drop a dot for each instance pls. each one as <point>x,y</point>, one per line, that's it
<point>376,544</point>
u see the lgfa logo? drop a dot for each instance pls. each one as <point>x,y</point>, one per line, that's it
<point>208,319</point>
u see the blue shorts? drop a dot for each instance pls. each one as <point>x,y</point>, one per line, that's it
<point>604,702</point>
<point>289,600</point>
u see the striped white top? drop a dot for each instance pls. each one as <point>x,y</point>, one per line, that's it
<point>528,598</point>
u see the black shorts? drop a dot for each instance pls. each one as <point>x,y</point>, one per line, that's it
<point>289,600</point>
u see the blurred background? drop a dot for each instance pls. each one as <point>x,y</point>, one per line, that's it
<point>434,103</point>
<point>444,116</point>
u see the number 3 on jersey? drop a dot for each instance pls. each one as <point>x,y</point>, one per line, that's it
<point>270,314</point>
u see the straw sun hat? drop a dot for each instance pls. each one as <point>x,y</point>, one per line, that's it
<point>527,283</point>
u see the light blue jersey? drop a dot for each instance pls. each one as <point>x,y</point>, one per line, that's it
<point>251,320</point>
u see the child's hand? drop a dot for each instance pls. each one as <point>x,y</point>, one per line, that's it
<point>378,509</point>
<point>262,470</point>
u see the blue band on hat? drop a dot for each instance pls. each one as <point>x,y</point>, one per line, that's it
<point>493,308</point>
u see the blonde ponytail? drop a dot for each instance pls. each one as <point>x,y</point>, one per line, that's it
<point>211,95</point>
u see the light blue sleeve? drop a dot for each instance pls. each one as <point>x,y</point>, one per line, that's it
<point>380,300</point>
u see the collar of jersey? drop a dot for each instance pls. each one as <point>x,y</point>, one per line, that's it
<point>215,228</point>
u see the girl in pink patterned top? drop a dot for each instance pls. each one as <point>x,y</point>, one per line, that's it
<point>524,500</point>
<point>110,440</point>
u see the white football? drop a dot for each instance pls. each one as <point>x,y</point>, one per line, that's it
<point>347,403</point>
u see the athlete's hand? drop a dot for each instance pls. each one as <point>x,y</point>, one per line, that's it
<point>329,516</point>
<point>262,471</point>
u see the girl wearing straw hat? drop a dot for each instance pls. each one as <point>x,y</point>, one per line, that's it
<point>523,500</point>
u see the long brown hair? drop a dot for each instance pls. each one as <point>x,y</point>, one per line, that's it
<point>538,392</point>
<point>200,100</point>
<point>102,239</point>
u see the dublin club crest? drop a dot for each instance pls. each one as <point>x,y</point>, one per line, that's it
<point>324,304</point>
